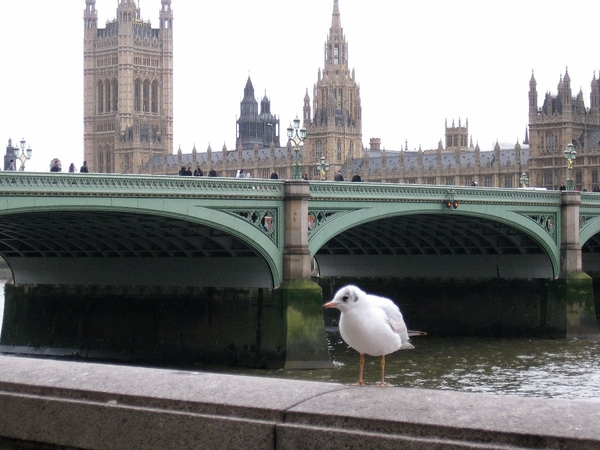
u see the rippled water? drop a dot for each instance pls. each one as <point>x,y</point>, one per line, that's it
<point>568,369</point>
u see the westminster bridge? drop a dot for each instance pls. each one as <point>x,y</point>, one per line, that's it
<point>162,260</point>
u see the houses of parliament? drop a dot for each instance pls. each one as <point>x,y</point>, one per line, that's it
<point>128,121</point>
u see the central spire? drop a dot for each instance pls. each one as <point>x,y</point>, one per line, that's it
<point>336,22</point>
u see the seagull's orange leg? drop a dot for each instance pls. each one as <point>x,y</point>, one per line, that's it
<point>361,368</point>
<point>383,383</point>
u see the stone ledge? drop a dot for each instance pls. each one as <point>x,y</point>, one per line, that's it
<point>97,406</point>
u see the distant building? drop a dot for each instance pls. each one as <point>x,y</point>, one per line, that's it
<point>562,120</point>
<point>128,82</point>
<point>129,122</point>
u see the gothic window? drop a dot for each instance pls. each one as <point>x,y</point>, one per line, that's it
<point>594,178</point>
<point>449,181</point>
<point>550,142</point>
<point>107,95</point>
<point>319,149</point>
<point>126,164</point>
<point>100,97</point>
<point>108,162</point>
<point>138,95</point>
<point>488,181</point>
<point>352,149</point>
<point>101,162</point>
<point>115,95</point>
<point>336,54</point>
<point>155,97</point>
<point>146,96</point>
<point>579,180</point>
<point>549,179</point>
<point>338,154</point>
<point>508,181</point>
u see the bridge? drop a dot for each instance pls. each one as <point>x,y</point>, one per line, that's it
<point>111,231</point>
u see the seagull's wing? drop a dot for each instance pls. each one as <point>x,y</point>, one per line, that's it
<point>394,318</point>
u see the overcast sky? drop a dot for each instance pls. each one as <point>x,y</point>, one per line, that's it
<point>418,64</point>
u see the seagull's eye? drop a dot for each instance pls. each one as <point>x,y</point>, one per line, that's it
<point>345,298</point>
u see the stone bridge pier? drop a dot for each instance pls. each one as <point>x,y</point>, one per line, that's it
<point>571,296</point>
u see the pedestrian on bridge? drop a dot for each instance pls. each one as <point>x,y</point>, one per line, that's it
<point>84,168</point>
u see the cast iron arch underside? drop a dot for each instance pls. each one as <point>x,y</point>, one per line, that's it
<point>428,245</point>
<point>590,255</point>
<point>117,248</point>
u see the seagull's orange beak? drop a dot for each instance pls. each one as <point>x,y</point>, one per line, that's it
<point>329,305</point>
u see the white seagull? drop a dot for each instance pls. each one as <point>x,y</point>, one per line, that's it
<point>370,324</point>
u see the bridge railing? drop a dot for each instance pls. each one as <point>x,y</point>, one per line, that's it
<point>345,191</point>
<point>30,183</point>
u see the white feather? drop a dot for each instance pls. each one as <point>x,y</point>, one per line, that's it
<point>370,324</point>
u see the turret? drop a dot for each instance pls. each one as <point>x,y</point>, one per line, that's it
<point>533,97</point>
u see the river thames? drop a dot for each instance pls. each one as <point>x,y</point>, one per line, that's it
<point>567,369</point>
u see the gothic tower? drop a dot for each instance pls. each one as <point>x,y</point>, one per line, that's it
<point>128,89</point>
<point>254,127</point>
<point>336,128</point>
<point>562,120</point>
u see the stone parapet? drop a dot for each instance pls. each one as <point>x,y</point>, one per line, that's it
<point>54,404</point>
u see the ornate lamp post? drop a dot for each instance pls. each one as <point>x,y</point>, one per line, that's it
<point>21,154</point>
<point>524,180</point>
<point>297,136</point>
<point>570,155</point>
<point>323,168</point>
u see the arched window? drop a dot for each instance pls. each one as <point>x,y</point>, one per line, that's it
<point>146,96</point>
<point>319,149</point>
<point>155,97</point>
<point>100,97</point>
<point>338,154</point>
<point>115,95</point>
<point>138,95</point>
<point>108,95</point>
<point>101,162</point>
<point>108,162</point>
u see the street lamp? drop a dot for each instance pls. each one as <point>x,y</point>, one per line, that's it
<point>297,136</point>
<point>524,180</point>
<point>21,154</point>
<point>323,168</point>
<point>570,155</point>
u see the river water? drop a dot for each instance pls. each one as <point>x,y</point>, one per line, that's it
<point>567,369</point>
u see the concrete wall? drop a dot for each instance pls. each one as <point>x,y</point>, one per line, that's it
<point>54,405</point>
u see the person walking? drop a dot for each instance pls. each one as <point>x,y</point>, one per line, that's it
<point>84,168</point>
<point>274,175</point>
<point>72,168</point>
<point>338,176</point>
<point>356,177</point>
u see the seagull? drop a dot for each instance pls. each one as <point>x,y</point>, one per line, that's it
<point>371,325</point>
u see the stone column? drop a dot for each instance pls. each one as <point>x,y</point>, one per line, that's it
<point>296,257</point>
<point>301,299</point>
<point>570,250</point>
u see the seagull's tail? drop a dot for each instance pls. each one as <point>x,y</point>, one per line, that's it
<point>406,346</point>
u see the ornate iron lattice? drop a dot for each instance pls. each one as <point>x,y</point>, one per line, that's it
<point>316,218</point>
<point>545,221</point>
<point>586,220</point>
<point>266,220</point>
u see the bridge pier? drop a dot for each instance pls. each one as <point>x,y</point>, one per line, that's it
<point>571,308</point>
<point>302,299</point>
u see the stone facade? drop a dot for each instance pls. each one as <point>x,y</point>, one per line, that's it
<point>562,120</point>
<point>128,83</point>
